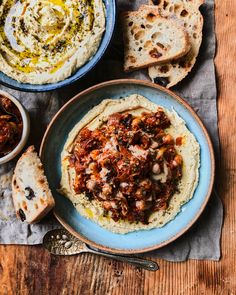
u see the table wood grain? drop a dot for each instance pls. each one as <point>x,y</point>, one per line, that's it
<point>31,270</point>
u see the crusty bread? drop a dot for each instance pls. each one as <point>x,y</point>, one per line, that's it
<point>187,12</point>
<point>151,39</point>
<point>32,197</point>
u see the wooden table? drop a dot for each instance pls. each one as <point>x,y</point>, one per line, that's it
<point>31,270</point>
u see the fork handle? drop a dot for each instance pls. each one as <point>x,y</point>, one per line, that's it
<point>135,261</point>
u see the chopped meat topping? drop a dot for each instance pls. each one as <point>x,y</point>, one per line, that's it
<point>10,126</point>
<point>121,164</point>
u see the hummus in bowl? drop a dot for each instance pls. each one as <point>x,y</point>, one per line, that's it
<point>46,41</point>
<point>130,165</point>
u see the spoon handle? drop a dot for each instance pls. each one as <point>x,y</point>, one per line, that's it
<point>135,261</point>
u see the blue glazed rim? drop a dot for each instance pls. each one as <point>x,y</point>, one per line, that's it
<point>111,14</point>
<point>205,194</point>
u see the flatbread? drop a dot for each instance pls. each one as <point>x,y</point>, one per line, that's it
<point>186,13</point>
<point>31,194</point>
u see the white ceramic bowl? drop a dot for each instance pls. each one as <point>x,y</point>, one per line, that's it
<point>26,129</point>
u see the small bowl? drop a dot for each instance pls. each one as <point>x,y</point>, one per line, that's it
<point>87,67</point>
<point>25,132</point>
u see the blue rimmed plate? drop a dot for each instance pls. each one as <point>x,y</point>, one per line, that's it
<point>110,25</point>
<point>88,231</point>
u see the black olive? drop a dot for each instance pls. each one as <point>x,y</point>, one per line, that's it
<point>22,215</point>
<point>163,81</point>
<point>156,2</point>
<point>29,193</point>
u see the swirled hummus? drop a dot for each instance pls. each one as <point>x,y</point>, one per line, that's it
<point>45,41</point>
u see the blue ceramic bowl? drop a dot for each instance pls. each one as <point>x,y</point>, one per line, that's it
<point>110,25</point>
<point>90,232</point>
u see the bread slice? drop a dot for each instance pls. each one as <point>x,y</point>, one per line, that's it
<point>31,195</point>
<point>150,39</point>
<point>188,14</point>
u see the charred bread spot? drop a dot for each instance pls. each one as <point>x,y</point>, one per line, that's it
<point>42,201</point>
<point>164,69</point>
<point>165,4</point>
<point>132,59</point>
<point>184,13</point>
<point>147,43</point>
<point>185,64</point>
<point>160,45</point>
<point>155,36</point>
<point>150,17</point>
<point>24,205</point>
<point>154,53</point>
<point>139,35</point>
<point>176,8</point>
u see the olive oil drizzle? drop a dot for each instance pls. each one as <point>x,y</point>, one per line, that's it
<point>47,53</point>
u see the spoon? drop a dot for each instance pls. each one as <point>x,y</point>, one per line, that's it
<point>6,111</point>
<point>61,242</point>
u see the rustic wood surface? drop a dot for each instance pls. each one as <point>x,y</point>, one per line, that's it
<point>31,270</point>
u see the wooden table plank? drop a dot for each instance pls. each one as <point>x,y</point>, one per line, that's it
<point>31,270</point>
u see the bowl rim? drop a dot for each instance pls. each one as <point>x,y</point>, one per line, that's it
<point>209,143</point>
<point>25,131</point>
<point>71,79</point>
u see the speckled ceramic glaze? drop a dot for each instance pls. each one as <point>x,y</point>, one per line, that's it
<point>110,24</point>
<point>90,232</point>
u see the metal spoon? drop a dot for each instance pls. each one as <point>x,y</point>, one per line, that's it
<point>6,111</point>
<point>61,242</point>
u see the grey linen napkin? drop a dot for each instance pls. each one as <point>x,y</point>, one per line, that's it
<point>202,241</point>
